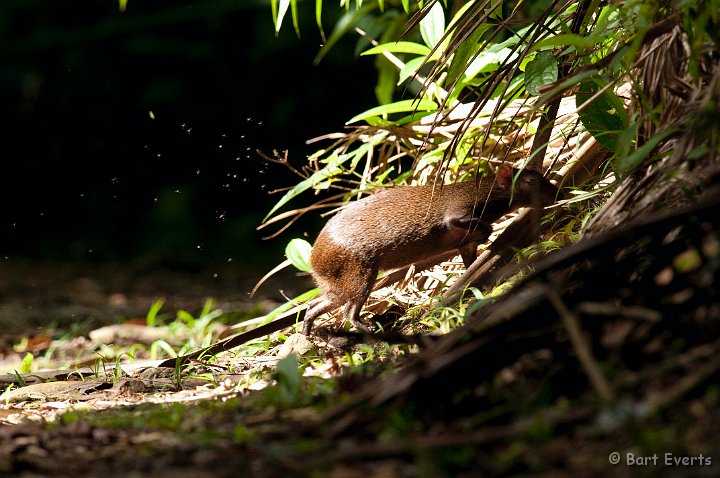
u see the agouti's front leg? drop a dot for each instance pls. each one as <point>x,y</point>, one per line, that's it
<point>472,232</point>
<point>468,252</point>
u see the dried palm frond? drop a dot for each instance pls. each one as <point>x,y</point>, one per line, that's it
<point>490,121</point>
<point>569,144</point>
<point>689,150</point>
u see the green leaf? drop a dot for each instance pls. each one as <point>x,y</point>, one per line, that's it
<point>411,67</point>
<point>281,11</point>
<point>495,9</point>
<point>187,317</point>
<point>406,5</point>
<point>581,44</point>
<point>403,106</point>
<point>625,141</point>
<point>541,71</point>
<point>432,26</point>
<point>411,118</point>
<point>289,378</point>
<point>343,25</point>
<point>288,371</point>
<point>356,155</point>
<point>26,364</point>
<point>487,61</point>
<point>298,253</point>
<point>317,177</point>
<point>207,308</point>
<point>464,52</point>
<point>387,79</point>
<point>398,47</point>
<point>458,16</point>
<point>561,86</point>
<point>151,317</point>
<point>318,19</point>
<point>274,9</point>
<point>159,345</point>
<point>296,24</point>
<point>636,158</point>
<point>605,118</point>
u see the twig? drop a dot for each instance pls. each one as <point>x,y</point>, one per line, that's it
<point>689,359</point>
<point>685,385</point>
<point>581,347</point>
<point>627,311</point>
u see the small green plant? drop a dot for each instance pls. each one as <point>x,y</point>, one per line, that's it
<point>177,372</point>
<point>287,391</point>
<point>27,363</point>
<point>6,393</point>
<point>288,378</point>
<point>161,345</point>
<point>100,364</point>
<point>210,378</point>
<point>20,380</point>
<point>363,353</point>
<point>152,319</point>
<point>195,331</point>
<point>117,370</point>
<point>79,374</point>
<point>444,319</point>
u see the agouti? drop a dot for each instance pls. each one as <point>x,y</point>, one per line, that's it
<point>407,224</point>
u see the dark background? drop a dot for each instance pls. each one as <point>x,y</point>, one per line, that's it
<point>89,175</point>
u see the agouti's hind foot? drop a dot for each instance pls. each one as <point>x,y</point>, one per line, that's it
<point>361,326</point>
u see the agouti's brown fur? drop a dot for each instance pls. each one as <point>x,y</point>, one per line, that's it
<point>407,224</point>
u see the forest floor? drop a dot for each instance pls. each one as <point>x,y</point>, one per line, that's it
<point>85,409</point>
<point>82,317</point>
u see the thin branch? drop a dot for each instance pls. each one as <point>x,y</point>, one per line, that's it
<point>581,347</point>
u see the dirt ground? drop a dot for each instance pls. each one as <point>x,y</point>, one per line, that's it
<point>43,301</point>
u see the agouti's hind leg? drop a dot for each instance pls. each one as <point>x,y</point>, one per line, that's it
<point>320,306</point>
<point>355,305</point>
